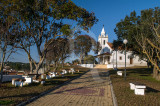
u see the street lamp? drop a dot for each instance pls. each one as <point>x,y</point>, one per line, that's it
<point>125,42</point>
<point>116,58</point>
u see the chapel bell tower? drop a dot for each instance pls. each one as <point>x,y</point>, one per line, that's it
<point>103,38</point>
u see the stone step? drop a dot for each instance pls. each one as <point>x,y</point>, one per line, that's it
<point>101,66</point>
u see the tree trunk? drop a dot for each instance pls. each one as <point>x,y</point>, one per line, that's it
<point>1,68</point>
<point>80,61</point>
<point>31,66</point>
<point>55,69</point>
<point>38,66</point>
<point>62,63</point>
<point>156,73</point>
<point>30,61</point>
<point>55,66</point>
<point>116,59</point>
<point>81,57</point>
<point>48,67</point>
<point>1,80</point>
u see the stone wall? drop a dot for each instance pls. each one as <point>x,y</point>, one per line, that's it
<point>87,65</point>
<point>123,65</point>
<point>7,78</point>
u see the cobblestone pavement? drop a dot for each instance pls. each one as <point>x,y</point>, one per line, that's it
<point>91,89</point>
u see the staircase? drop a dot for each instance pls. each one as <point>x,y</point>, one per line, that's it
<point>103,66</point>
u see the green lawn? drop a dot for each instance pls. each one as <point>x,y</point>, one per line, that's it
<point>6,102</point>
<point>65,67</point>
<point>10,95</point>
<point>126,97</point>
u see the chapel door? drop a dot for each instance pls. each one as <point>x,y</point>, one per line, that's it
<point>131,60</point>
<point>108,59</point>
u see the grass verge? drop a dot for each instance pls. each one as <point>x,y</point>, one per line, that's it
<point>126,97</point>
<point>11,95</point>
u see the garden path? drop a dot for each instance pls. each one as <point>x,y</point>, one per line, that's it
<point>91,89</point>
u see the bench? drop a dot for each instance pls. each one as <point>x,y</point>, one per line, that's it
<point>72,70</point>
<point>115,69</point>
<point>42,81</point>
<point>29,80</point>
<point>52,74</point>
<point>48,76</point>
<point>77,70</point>
<point>139,88</point>
<point>119,73</point>
<point>18,82</point>
<point>43,76</point>
<point>64,72</point>
<point>69,71</point>
<point>36,81</point>
<point>13,80</point>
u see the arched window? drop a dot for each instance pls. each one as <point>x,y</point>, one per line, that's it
<point>104,42</point>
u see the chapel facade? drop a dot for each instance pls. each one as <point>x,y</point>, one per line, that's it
<point>107,55</point>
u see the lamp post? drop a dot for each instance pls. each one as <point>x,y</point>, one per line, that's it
<point>125,42</point>
<point>116,58</point>
<point>113,61</point>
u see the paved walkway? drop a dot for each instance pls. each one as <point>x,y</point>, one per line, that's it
<point>91,89</point>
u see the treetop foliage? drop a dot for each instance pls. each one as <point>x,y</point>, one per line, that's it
<point>37,22</point>
<point>143,35</point>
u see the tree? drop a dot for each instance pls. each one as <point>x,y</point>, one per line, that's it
<point>82,46</point>
<point>58,51</point>
<point>7,35</point>
<point>65,52</point>
<point>76,61</point>
<point>96,46</point>
<point>142,33</point>
<point>89,59</point>
<point>42,20</point>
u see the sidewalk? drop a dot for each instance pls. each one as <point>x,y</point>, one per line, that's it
<point>88,90</point>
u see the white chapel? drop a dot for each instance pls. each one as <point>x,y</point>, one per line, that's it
<point>107,55</point>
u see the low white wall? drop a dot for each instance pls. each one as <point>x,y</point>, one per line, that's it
<point>87,65</point>
<point>9,77</point>
<point>123,65</point>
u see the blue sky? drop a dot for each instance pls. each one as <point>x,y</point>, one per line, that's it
<point>109,12</point>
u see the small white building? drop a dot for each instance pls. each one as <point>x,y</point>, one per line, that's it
<point>107,55</point>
